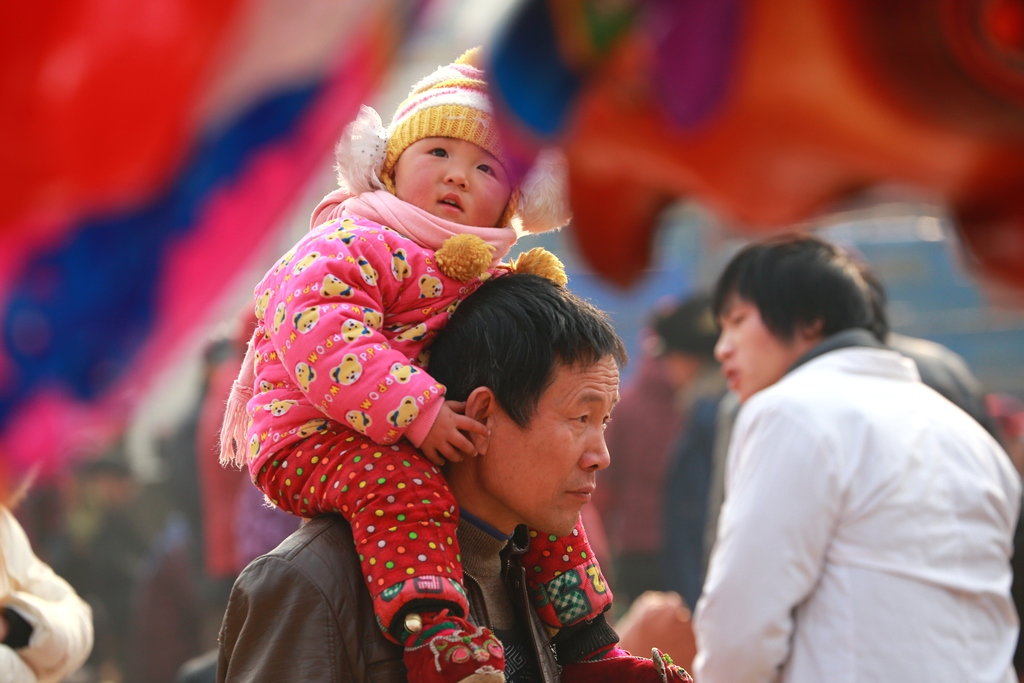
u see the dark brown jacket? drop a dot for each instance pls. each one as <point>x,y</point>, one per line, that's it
<point>302,614</point>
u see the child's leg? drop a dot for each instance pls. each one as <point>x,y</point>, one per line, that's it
<point>403,519</point>
<point>570,593</point>
<point>565,579</point>
<point>402,514</point>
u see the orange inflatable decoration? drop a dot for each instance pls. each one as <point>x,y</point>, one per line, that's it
<point>817,100</point>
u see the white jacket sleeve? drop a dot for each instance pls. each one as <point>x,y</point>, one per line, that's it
<point>62,634</point>
<point>782,498</point>
<point>13,668</point>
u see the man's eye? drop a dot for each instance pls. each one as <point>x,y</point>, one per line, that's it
<point>439,152</point>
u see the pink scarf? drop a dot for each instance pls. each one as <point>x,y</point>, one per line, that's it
<point>423,228</point>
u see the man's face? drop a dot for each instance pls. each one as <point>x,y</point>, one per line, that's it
<point>542,475</point>
<point>680,368</point>
<point>752,357</point>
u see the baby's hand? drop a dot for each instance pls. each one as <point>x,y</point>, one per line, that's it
<point>445,440</point>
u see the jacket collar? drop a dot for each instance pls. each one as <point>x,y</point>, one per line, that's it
<point>520,541</point>
<point>857,337</point>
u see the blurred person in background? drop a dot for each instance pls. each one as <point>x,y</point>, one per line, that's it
<point>939,367</point>
<point>867,529</point>
<point>220,487</point>
<point>688,478</point>
<point>677,370</point>
<point>685,337</point>
<point>176,601</point>
<point>1008,413</point>
<point>109,549</point>
<point>46,630</point>
<point>167,608</point>
<point>237,523</point>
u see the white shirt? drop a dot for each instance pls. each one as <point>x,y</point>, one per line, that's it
<point>865,537</point>
<point>61,621</point>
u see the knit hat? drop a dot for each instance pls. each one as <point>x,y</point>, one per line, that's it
<point>689,327</point>
<point>452,102</point>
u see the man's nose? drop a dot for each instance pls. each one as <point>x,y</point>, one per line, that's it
<point>597,457</point>
<point>723,348</point>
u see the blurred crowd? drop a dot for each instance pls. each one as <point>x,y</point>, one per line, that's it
<point>155,562</point>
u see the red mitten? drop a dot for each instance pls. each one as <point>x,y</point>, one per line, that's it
<point>441,648</point>
<point>618,665</point>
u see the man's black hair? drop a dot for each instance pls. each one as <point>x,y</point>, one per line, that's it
<point>879,303</point>
<point>797,281</point>
<point>688,327</point>
<point>512,334</point>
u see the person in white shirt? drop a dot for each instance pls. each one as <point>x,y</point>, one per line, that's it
<point>867,528</point>
<point>45,628</point>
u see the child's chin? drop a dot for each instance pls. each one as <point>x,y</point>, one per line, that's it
<point>451,214</point>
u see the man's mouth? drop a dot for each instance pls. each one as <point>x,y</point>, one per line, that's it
<point>584,492</point>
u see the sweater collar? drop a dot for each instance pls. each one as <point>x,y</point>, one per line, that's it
<point>481,549</point>
<point>485,527</point>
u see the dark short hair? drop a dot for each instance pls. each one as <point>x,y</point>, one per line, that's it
<point>800,280</point>
<point>512,335</point>
<point>687,327</point>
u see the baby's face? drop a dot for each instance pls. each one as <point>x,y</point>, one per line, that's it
<point>453,179</point>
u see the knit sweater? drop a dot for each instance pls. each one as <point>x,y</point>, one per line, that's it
<point>482,560</point>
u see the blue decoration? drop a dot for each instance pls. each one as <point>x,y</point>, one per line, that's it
<point>78,315</point>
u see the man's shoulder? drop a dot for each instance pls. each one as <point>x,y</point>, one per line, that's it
<point>304,607</point>
<point>322,551</point>
<point>320,530</point>
<point>856,388</point>
<point>835,377</point>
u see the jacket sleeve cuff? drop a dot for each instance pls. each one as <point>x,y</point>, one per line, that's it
<point>575,643</point>
<point>417,431</point>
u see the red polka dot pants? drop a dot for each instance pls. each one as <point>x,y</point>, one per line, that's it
<point>403,519</point>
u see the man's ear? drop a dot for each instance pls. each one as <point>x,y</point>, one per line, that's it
<point>482,406</point>
<point>812,332</point>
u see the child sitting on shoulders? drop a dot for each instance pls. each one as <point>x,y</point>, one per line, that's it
<point>342,415</point>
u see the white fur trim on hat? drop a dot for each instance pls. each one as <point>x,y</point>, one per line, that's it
<point>360,153</point>
<point>543,199</point>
